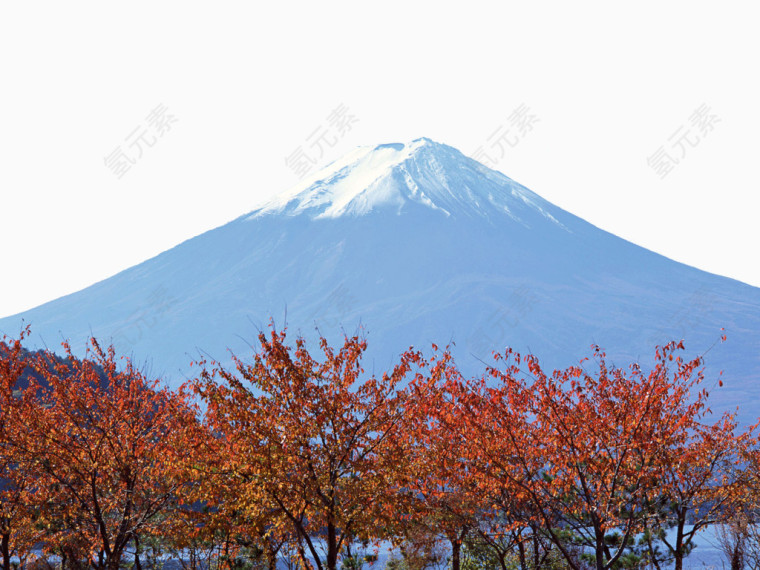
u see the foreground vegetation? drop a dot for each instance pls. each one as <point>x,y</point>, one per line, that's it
<point>313,462</point>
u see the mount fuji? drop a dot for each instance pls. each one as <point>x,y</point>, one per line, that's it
<point>416,243</point>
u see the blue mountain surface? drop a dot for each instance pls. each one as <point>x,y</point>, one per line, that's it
<point>417,244</point>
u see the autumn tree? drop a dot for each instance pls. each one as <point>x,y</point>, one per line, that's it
<point>103,444</point>
<point>435,493</point>
<point>586,449</point>
<point>490,427</point>
<point>739,533</point>
<point>17,531</point>
<point>228,515</point>
<point>307,440</point>
<point>700,481</point>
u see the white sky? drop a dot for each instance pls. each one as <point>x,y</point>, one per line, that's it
<point>248,84</point>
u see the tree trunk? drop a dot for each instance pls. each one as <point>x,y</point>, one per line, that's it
<point>456,547</point>
<point>302,554</point>
<point>521,554</point>
<point>599,549</point>
<point>113,562</point>
<point>138,565</point>
<point>6,551</point>
<point>539,550</point>
<point>678,554</point>
<point>737,560</point>
<point>650,549</point>
<point>332,547</point>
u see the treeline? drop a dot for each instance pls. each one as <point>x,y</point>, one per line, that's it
<point>310,461</point>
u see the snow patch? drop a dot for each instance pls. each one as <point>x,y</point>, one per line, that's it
<point>422,172</point>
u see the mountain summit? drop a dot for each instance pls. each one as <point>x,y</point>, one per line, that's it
<point>416,243</point>
<point>401,177</point>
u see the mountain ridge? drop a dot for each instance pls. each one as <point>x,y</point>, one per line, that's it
<point>513,270</point>
<point>378,177</point>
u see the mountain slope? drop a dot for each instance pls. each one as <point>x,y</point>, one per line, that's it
<point>419,244</point>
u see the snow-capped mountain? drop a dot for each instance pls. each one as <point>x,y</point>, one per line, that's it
<point>418,244</point>
<point>386,177</point>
